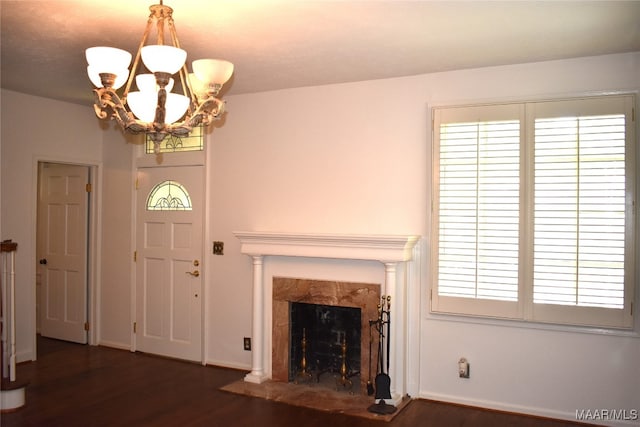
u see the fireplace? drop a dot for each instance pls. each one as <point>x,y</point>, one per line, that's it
<point>334,270</point>
<point>362,297</point>
<point>324,345</point>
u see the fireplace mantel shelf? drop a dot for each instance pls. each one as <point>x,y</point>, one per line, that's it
<point>383,248</point>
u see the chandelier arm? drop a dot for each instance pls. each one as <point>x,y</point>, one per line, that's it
<point>124,118</point>
<point>160,28</point>
<point>108,103</point>
<point>211,109</point>
<point>99,105</point>
<point>184,72</point>
<point>172,31</point>
<point>136,61</point>
<point>216,111</point>
<point>186,87</point>
<point>179,130</point>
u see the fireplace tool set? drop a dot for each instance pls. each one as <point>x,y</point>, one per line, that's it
<point>382,381</point>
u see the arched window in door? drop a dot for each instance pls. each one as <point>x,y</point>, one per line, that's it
<point>168,196</point>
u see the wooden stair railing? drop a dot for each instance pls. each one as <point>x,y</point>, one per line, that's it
<point>12,392</point>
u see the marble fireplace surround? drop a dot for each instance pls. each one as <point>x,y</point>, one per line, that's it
<point>364,296</point>
<point>399,255</point>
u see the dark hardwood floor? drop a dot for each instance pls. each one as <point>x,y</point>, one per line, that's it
<point>79,385</point>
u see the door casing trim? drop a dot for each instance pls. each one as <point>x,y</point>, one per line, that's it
<point>93,247</point>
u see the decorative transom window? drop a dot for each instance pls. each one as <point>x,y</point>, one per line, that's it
<point>533,211</point>
<point>169,196</point>
<point>173,144</point>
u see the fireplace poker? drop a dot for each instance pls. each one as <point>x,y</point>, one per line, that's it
<point>370,390</point>
<point>388,331</point>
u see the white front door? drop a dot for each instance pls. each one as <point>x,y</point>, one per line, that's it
<point>63,204</point>
<point>169,261</point>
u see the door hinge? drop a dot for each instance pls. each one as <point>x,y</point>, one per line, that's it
<point>88,187</point>
<point>135,327</point>
<point>632,308</point>
<point>86,326</point>
<point>136,184</point>
<point>135,256</point>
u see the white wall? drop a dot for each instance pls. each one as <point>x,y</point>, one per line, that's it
<point>36,129</point>
<point>324,159</point>
<point>351,158</point>
<point>544,371</point>
<point>67,133</point>
<point>355,158</point>
<point>117,237</point>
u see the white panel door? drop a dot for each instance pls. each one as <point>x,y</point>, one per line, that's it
<point>63,204</point>
<point>168,263</point>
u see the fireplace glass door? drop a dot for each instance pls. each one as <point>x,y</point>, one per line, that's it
<point>325,345</point>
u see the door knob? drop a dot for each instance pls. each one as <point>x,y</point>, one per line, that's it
<point>194,273</point>
<point>43,261</point>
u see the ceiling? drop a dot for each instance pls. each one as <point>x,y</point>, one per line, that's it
<point>277,44</point>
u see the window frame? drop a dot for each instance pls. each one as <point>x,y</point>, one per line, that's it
<point>524,309</point>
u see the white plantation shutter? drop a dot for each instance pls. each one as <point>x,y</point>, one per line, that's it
<point>478,213</point>
<point>532,211</point>
<point>579,225</point>
<point>479,210</point>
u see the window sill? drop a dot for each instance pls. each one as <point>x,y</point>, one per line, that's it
<point>524,324</point>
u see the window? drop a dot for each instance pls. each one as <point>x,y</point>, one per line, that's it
<point>533,211</point>
<point>168,196</point>
<point>174,144</point>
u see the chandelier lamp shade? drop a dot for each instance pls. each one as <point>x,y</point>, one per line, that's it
<point>154,109</point>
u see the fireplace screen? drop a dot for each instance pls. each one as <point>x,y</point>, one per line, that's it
<point>325,344</point>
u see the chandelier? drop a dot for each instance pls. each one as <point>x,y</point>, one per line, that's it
<point>153,109</point>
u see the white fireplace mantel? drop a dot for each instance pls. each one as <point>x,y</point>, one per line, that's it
<point>390,250</point>
<point>383,248</point>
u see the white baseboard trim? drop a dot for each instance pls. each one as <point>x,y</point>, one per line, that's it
<point>521,409</point>
<point>227,364</point>
<point>25,356</point>
<point>115,344</point>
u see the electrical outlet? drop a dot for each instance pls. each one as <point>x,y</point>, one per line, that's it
<point>218,248</point>
<point>463,368</point>
<point>247,343</point>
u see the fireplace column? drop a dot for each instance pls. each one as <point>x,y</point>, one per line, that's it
<point>257,374</point>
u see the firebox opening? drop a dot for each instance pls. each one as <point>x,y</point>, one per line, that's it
<point>325,345</point>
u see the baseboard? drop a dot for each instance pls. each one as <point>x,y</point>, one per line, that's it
<point>521,409</point>
<point>114,344</point>
<point>227,364</point>
<point>25,356</point>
